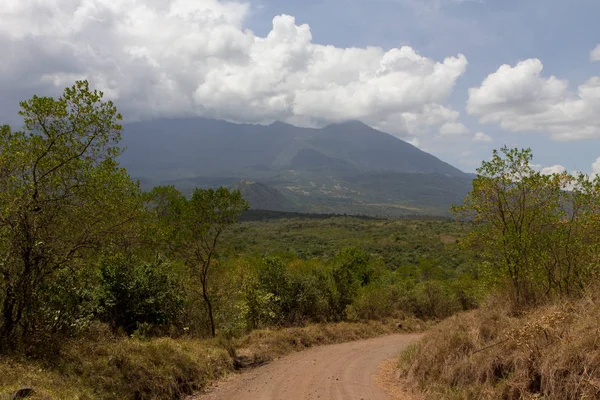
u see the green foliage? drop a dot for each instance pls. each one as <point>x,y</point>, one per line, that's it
<point>260,307</point>
<point>192,228</point>
<point>302,291</point>
<point>286,291</point>
<point>434,299</point>
<point>535,232</point>
<point>373,302</point>
<point>274,278</point>
<point>63,197</point>
<point>401,244</point>
<point>166,209</point>
<point>413,267</point>
<point>351,270</point>
<point>139,294</point>
<point>429,299</point>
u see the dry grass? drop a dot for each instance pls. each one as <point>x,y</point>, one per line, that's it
<point>105,367</point>
<point>387,379</point>
<point>550,353</point>
<point>17,374</point>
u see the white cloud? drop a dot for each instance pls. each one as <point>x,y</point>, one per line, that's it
<point>453,129</point>
<point>595,54</point>
<point>414,142</point>
<point>559,169</point>
<point>482,137</point>
<point>418,122</point>
<point>596,167</point>
<point>554,169</point>
<point>174,57</point>
<point>520,99</point>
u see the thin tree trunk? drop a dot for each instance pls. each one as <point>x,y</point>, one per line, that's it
<point>207,301</point>
<point>6,330</point>
<point>210,310</point>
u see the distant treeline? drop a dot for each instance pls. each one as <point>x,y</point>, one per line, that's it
<point>265,215</point>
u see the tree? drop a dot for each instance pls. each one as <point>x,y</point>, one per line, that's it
<point>534,230</point>
<point>209,212</point>
<point>162,231</point>
<point>351,270</point>
<point>192,227</point>
<point>63,196</point>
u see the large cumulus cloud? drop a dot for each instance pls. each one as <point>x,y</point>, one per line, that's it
<point>521,99</point>
<point>194,57</point>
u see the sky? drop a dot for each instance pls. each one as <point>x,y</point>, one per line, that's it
<point>457,78</point>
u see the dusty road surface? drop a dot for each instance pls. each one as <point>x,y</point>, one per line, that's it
<point>344,371</point>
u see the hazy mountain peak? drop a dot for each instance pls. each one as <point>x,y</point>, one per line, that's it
<point>280,124</point>
<point>181,148</point>
<point>353,123</point>
<point>347,166</point>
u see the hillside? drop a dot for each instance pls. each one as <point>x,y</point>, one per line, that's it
<point>496,352</point>
<point>262,197</point>
<point>341,168</point>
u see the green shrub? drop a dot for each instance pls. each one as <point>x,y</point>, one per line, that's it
<point>351,269</point>
<point>301,292</point>
<point>139,295</point>
<point>372,303</point>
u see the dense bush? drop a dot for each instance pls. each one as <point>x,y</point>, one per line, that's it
<point>373,302</point>
<point>285,291</point>
<point>138,294</point>
<point>302,291</point>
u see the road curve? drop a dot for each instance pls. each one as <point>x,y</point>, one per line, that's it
<point>336,372</point>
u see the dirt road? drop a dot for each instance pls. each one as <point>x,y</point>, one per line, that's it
<point>338,372</point>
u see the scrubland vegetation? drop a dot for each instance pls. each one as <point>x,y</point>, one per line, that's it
<point>110,292</point>
<point>537,334</point>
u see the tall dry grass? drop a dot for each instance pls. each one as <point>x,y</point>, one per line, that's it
<point>498,352</point>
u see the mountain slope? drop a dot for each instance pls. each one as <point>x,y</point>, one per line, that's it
<point>341,168</point>
<point>370,149</point>
<point>263,197</point>
<point>187,147</point>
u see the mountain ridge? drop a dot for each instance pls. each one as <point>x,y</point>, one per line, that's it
<point>327,169</point>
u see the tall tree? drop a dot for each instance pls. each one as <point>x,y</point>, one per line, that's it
<point>192,228</point>
<point>208,214</point>
<point>63,195</point>
<point>533,230</point>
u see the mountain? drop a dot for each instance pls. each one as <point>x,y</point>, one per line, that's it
<point>263,197</point>
<point>341,168</point>
<point>370,149</point>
